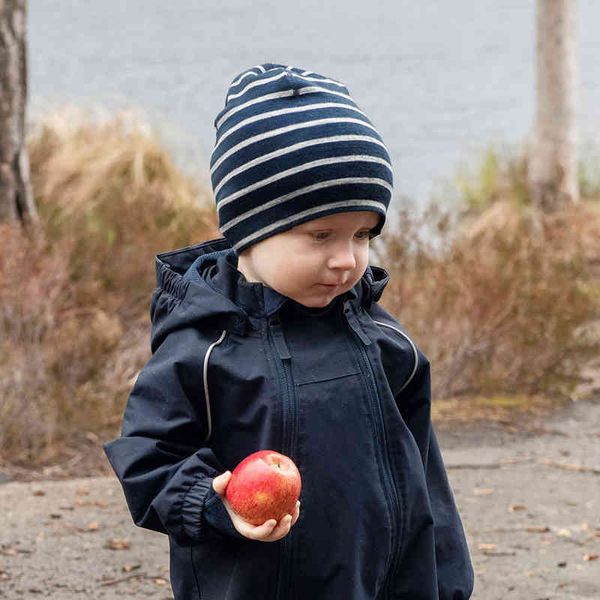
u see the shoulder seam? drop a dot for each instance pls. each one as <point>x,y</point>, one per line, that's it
<point>413,346</point>
<point>205,378</point>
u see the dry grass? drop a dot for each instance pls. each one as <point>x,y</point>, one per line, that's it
<point>514,411</point>
<point>74,320</point>
<point>112,190</point>
<point>502,299</point>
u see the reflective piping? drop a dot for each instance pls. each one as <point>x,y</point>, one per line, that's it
<point>205,374</point>
<point>413,347</point>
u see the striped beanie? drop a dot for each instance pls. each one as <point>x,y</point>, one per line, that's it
<point>291,145</point>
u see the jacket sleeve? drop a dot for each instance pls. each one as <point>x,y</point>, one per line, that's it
<point>160,459</point>
<point>453,561</point>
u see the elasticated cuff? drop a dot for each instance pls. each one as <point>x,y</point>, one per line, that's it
<point>191,508</point>
<point>215,515</point>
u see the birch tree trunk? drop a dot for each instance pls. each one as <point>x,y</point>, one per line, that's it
<point>16,198</point>
<point>552,171</point>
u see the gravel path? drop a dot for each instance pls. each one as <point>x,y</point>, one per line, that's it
<point>530,503</point>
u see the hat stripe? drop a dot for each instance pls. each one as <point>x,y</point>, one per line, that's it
<point>284,73</point>
<point>312,212</point>
<point>305,190</point>
<point>286,93</point>
<point>282,130</point>
<point>294,148</point>
<point>248,72</point>
<point>242,77</point>
<point>304,167</point>
<point>286,111</point>
<point>254,84</point>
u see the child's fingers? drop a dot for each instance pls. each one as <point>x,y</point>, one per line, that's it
<point>284,525</point>
<point>296,514</point>
<point>281,529</point>
<point>269,531</point>
<point>259,532</point>
<point>253,532</point>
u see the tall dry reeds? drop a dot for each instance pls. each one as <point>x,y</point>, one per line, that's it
<point>74,294</point>
<point>111,188</point>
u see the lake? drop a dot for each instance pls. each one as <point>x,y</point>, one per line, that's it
<point>441,81</point>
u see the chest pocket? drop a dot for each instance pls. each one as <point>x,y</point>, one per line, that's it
<point>328,370</point>
<point>320,354</point>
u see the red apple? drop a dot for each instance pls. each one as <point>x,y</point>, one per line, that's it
<point>265,485</point>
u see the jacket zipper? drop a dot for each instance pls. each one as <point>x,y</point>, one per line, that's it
<point>281,351</point>
<point>363,340</point>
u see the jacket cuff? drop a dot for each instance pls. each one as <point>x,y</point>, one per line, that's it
<point>215,515</point>
<point>191,508</point>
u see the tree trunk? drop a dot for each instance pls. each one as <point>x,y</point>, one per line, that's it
<point>552,170</point>
<point>16,198</point>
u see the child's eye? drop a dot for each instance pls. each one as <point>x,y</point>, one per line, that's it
<point>362,235</point>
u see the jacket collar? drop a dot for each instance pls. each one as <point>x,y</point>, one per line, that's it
<point>206,277</point>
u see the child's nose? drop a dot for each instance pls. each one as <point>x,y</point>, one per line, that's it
<point>343,259</point>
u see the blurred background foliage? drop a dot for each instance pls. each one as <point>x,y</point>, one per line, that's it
<point>503,300</point>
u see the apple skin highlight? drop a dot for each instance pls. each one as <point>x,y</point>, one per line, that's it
<point>265,485</point>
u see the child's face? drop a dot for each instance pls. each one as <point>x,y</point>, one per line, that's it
<point>297,262</point>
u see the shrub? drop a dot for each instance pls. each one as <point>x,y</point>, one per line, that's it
<point>74,294</point>
<point>500,297</point>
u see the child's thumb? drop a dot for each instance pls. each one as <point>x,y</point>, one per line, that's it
<point>220,482</point>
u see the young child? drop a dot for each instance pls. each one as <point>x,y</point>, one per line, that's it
<point>272,337</point>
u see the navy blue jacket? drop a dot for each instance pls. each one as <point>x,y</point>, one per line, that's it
<point>237,367</point>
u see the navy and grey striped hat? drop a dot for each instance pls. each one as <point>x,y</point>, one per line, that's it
<point>292,145</point>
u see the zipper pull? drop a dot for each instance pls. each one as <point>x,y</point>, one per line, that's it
<point>279,338</point>
<point>354,323</point>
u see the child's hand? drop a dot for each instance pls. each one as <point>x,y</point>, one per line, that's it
<point>270,531</point>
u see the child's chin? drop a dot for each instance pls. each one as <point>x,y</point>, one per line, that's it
<point>318,302</point>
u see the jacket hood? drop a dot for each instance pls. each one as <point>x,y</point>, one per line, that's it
<point>202,282</point>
